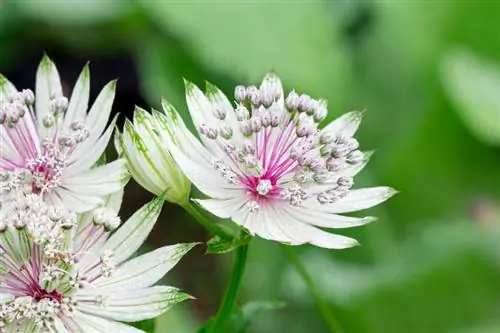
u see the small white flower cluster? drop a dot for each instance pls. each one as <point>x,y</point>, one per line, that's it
<point>63,247</point>
<point>283,175</point>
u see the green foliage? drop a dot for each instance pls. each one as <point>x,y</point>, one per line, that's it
<point>243,318</point>
<point>473,85</point>
<point>249,311</point>
<point>148,326</point>
<point>428,75</point>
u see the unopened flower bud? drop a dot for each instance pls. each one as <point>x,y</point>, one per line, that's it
<point>292,101</point>
<point>240,93</point>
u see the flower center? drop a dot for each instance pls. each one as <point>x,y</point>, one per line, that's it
<point>38,293</point>
<point>264,186</point>
<point>46,170</point>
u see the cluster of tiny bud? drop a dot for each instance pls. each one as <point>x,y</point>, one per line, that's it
<point>40,312</point>
<point>43,236</point>
<point>107,265</point>
<point>46,170</point>
<point>13,108</point>
<point>264,96</point>
<point>107,218</point>
<point>281,141</point>
<point>340,190</point>
<point>44,167</point>
<point>58,105</point>
<point>43,223</point>
<point>295,195</point>
<point>304,104</point>
<point>226,172</point>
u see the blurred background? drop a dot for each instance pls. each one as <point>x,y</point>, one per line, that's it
<point>428,74</point>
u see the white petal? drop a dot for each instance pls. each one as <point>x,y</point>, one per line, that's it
<point>279,223</point>
<point>79,202</point>
<point>135,304</point>
<point>48,85</point>
<point>84,160</point>
<point>132,234</point>
<point>145,270</point>
<point>207,180</point>
<point>219,100</point>
<point>356,200</point>
<point>99,113</point>
<point>92,324</point>
<point>7,89</point>
<point>273,80</point>
<point>224,208</point>
<point>171,123</point>
<point>347,124</point>
<point>79,102</point>
<point>99,181</point>
<point>323,219</point>
<point>199,106</point>
<point>98,116</point>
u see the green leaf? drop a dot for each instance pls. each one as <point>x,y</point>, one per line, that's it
<point>217,245</point>
<point>299,41</point>
<point>75,11</point>
<point>147,326</point>
<point>243,319</point>
<point>473,85</point>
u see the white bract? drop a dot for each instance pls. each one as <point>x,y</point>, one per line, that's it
<point>50,145</point>
<point>149,163</point>
<point>60,273</point>
<point>265,164</point>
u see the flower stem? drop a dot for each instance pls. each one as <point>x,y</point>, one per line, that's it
<point>231,294</point>
<point>204,221</point>
<point>322,305</point>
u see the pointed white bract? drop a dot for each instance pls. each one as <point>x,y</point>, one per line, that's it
<point>142,145</point>
<point>60,273</point>
<point>50,146</point>
<point>265,164</point>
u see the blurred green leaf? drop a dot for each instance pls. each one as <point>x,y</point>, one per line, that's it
<point>75,11</point>
<point>299,41</point>
<point>243,319</point>
<point>148,326</point>
<point>473,85</point>
<point>445,278</point>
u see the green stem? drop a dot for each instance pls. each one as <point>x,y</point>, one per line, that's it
<point>209,225</point>
<point>231,294</point>
<point>322,305</point>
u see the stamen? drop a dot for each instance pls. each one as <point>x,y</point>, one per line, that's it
<point>264,186</point>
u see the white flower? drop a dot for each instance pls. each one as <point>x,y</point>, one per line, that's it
<point>267,166</point>
<point>60,274</point>
<point>51,146</point>
<point>150,164</point>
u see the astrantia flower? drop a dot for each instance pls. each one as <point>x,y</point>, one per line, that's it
<point>51,145</point>
<point>63,274</point>
<point>149,163</point>
<point>267,166</point>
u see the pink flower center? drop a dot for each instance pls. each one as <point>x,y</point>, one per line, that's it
<point>38,293</point>
<point>261,188</point>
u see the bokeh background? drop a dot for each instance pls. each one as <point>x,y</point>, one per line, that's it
<point>428,74</point>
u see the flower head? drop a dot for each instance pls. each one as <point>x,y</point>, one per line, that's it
<point>266,165</point>
<point>50,145</point>
<point>149,163</point>
<point>60,273</point>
